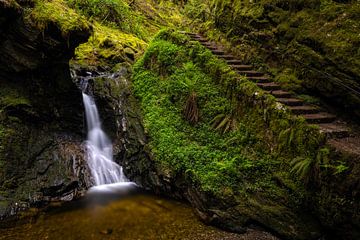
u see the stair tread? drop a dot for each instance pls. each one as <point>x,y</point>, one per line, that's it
<point>268,84</point>
<point>251,72</point>
<point>240,66</point>
<point>349,145</point>
<point>235,61</point>
<point>258,78</point>
<point>226,56</point>
<point>318,115</point>
<point>290,101</point>
<point>321,117</point>
<point>334,130</point>
<point>280,93</point>
<point>218,51</point>
<point>333,127</point>
<point>304,109</point>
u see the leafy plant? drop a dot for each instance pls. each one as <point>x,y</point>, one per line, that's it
<point>225,123</point>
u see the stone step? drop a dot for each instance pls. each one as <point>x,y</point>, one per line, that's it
<point>321,117</point>
<point>334,130</point>
<point>212,48</point>
<point>290,101</point>
<point>240,67</point>
<point>201,39</point>
<point>188,33</point>
<point>262,79</point>
<point>304,109</point>
<point>269,86</point>
<point>207,44</point>
<point>280,93</point>
<point>236,62</point>
<point>251,73</point>
<point>218,52</point>
<point>226,57</point>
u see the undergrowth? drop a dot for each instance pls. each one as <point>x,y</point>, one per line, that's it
<point>241,134</point>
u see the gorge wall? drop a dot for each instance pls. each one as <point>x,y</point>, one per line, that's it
<point>40,111</point>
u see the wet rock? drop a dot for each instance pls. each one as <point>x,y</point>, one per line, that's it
<point>41,157</point>
<point>106,231</point>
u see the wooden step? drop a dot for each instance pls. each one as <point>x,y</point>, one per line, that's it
<point>334,130</point>
<point>240,67</point>
<point>262,79</point>
<point>226,57</point>
<point>269,86</point>
<point>290,101</point>
<point>304,109</point>
<point>251,73</point>
<point>321,117</point>
<point>280,93</point>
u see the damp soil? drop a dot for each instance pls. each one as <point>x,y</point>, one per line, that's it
<point>132,214</point>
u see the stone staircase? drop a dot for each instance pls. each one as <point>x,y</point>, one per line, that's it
<point>328,123</point>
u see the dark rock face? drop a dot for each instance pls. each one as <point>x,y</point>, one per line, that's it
<point>41,122</point>
<point>120,114</point>
<point>226,212</point>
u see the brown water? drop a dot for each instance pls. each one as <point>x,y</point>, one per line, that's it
<point>118,216</point>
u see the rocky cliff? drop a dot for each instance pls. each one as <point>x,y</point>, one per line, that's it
<point>40,111</point>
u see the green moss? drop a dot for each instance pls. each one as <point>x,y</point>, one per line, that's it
<point>121,29</point>
<point>314,41</point>
<point>171,69</point>
<point>108,46</point>
<point>57,12</point>
<point>288,80</point>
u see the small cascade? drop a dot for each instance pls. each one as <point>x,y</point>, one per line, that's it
<point>99,148</point>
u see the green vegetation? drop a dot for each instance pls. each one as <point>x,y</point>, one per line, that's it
<point>307,43</point>
<point>57,12</point>
<point>120,28</point>
<point>208,126</point>
<point>230,139</point>
<point>227,143</point>
<point>108,47</point>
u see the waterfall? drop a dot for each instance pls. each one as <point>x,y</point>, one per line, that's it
<point>99,148</point>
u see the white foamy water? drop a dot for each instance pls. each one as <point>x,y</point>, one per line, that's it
<point>99,148</point>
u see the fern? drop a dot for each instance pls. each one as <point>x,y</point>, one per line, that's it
<point>302,167</point>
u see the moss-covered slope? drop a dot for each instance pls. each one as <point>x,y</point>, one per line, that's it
<point>231,150</point>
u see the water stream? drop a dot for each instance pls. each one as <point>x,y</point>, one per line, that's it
<point>99,148</point>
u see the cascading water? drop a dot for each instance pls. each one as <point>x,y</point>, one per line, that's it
<point>99,148</point>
